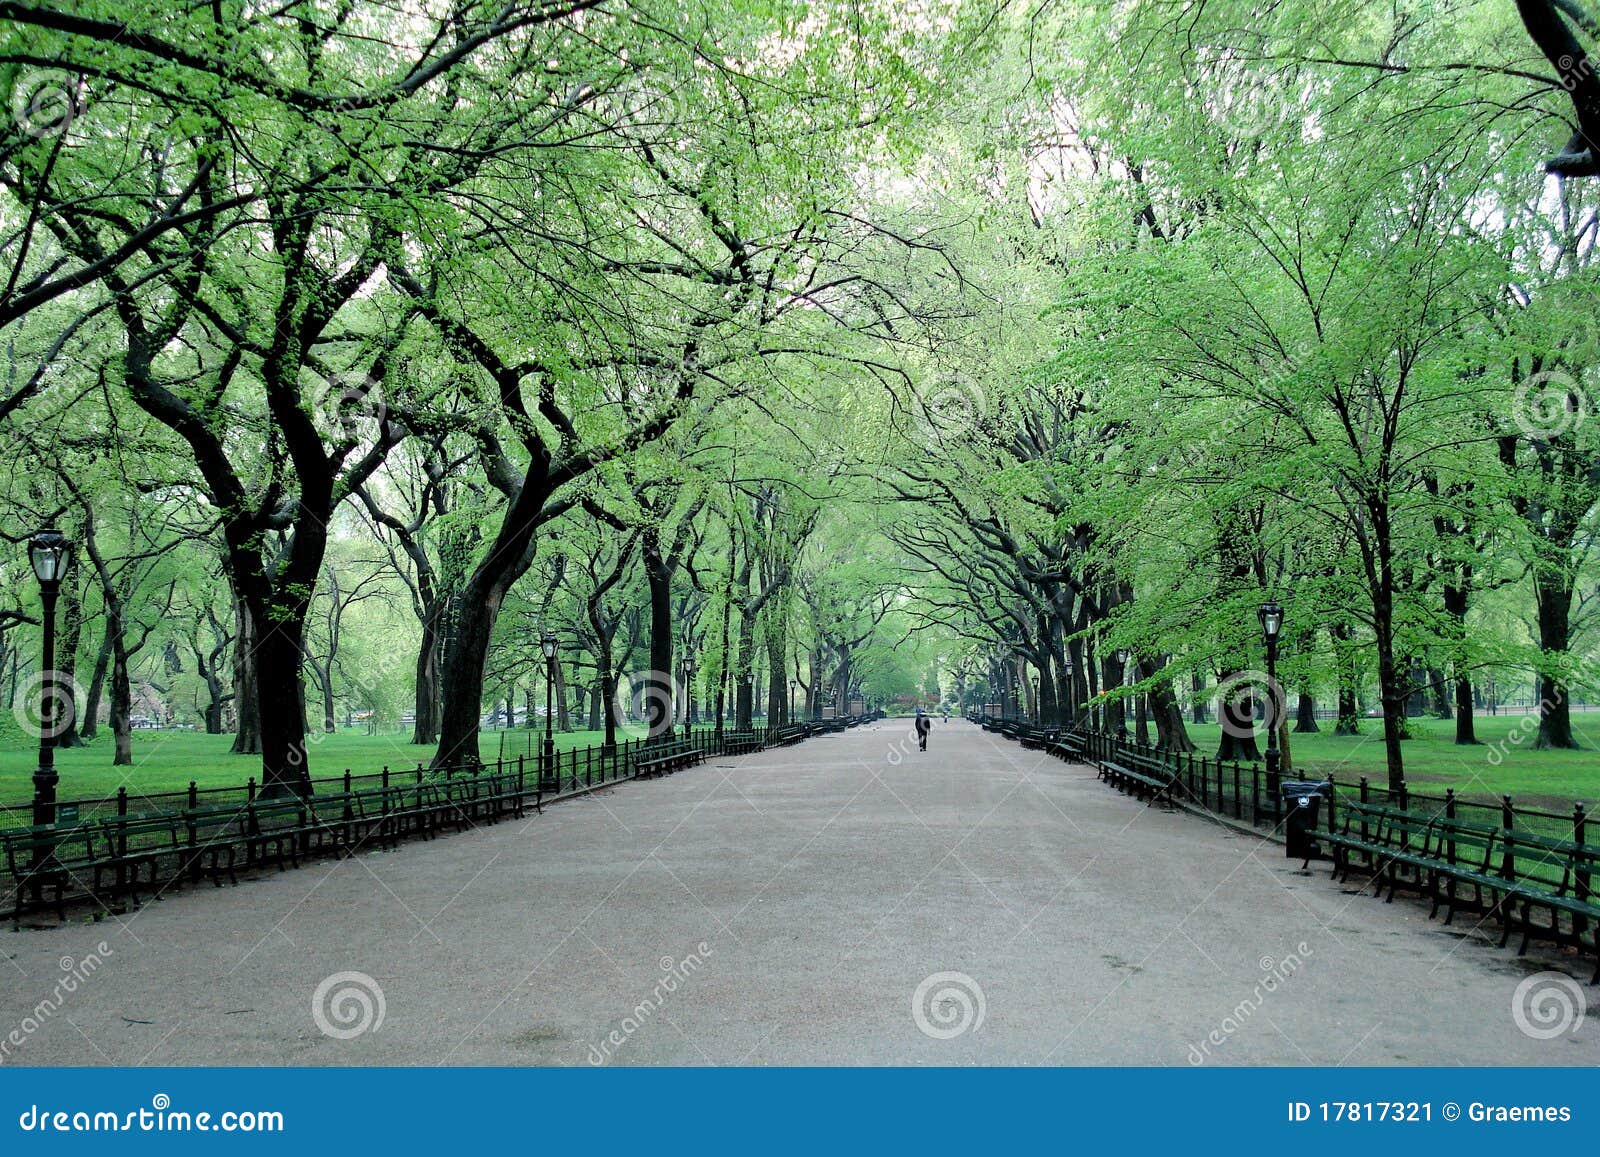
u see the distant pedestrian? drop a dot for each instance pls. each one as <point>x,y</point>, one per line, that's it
<point>924,725</point>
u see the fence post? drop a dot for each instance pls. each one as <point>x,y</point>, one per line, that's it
<point>122,802</point>
<point>194,792</point>
<point>1508,820</point>
<point>1255,796</point>
<point>1580,878</point>
<point>1450,844</point>
<point>1238,796</point>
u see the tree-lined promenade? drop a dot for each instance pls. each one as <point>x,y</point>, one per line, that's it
<point>407,370</point>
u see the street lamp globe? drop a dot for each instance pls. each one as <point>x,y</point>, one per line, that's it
<point>47,551</point>
<point>547,644</point>
<point>1271,616</point>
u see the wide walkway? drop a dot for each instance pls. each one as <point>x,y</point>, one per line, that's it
<point>789,908</point>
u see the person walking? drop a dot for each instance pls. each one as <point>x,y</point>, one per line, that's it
<point>924,725</point>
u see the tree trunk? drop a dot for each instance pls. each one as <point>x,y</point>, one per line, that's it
<point>121,701</point>
<point>1553,598</point>
<point>425,701</point>
<point>1236,713</point>
<point>1349,710</point>
<point>1197,706</point>
<point>1466,735</point>
<point>246,703</point>
<point>1305,714</point>
<point>659,709</point>
<point>67,665</point>
<point>97,686</point>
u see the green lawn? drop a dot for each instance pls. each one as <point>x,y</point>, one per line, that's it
<point>1433,761</point>
<point>168,760</point>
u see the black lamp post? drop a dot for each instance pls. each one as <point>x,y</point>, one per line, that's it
<point>1072,692</point>
<point>688,694</point>
<point>547,765</point>
<point>48,553</point>
<point>1271,616</point>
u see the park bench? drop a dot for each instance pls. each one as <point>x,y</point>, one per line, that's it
<point>1037,738</point>
<point>788,734</point>
<point>487,796</point>
<point>1578,863</point>
<point>67,859</point>
<point>1147,783</point>
<point>665,758</point>
<point>1069,746</point>
<point>1440,855</point>
<point>134,847</point>
<point>211,842</point>
<point>278,829</point>
<point>740,743</point>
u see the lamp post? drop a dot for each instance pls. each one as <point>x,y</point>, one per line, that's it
<point>688,695</point>
<point>790,718</point>
<point>47,551</point>
<point>1271,616</point>
<point>1072,692</point>
<point>547,765</point>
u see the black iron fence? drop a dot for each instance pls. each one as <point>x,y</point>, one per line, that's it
<point>112,848</point>
<point>1242,791</point>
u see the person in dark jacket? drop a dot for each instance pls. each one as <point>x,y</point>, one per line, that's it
<point>924,725</point>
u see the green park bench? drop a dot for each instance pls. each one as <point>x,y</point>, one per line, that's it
<point>665,758</point>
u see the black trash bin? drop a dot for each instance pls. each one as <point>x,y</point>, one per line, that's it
<point>1302,803</point>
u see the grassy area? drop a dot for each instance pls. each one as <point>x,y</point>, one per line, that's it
<point>1433,761</point>
<point>168,760</point>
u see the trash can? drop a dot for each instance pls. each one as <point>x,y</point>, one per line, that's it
<point>1302,803</point>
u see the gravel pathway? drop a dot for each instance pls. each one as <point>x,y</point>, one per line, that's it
<point>846,901</point>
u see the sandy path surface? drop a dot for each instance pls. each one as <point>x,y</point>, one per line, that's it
<point>786,908</point>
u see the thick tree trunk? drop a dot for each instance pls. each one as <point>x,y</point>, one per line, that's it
<point>659,706</point>
<point>280,692</point>
<point>1466,735</point>
<point>1305,714</point>
<point>1197,705</point>
<point>246,703</point>
<point>1166,712</point>
<point>1236,713</point>
<point>425,700</point>
<point>1553,599</point>
<point>67,664</point>
<point>595,698</point>
<point>121,703</point>
<point>97,688</point>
